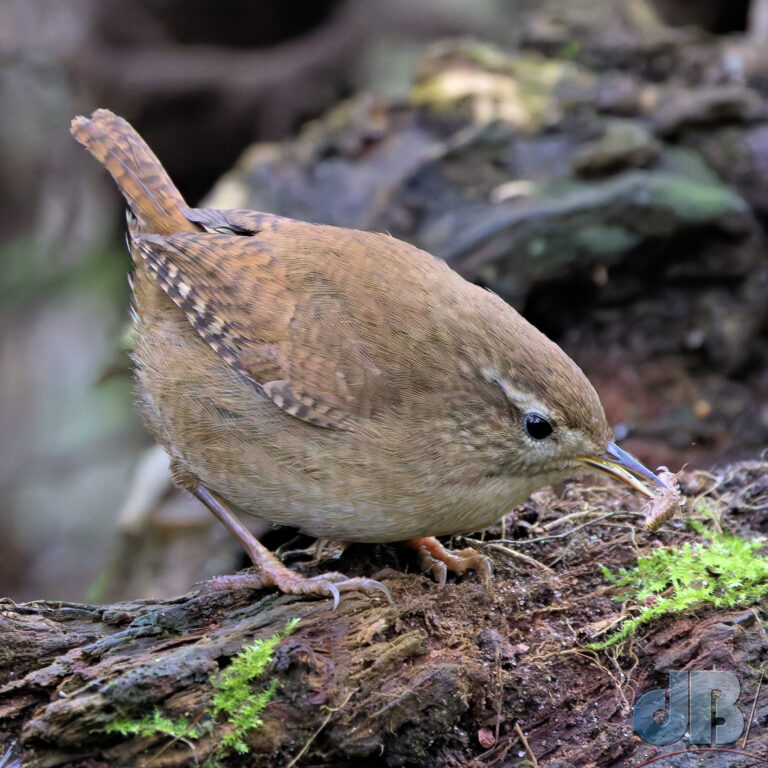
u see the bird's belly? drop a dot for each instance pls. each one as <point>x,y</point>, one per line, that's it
<point>332,486</point>
<point>377,514</point>
<point>392,517</point>
<point>354,485</point>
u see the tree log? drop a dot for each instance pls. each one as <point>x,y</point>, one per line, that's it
<point>447,676</point>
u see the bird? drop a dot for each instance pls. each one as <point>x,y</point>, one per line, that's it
<point>342,382</point>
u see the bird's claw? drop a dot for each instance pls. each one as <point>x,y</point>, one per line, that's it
<point>291,583</point>
<point>438,560</point>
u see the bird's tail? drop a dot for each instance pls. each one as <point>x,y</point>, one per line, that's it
<point>152,197</point>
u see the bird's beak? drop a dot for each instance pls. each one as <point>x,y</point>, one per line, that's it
<point>624,467</point>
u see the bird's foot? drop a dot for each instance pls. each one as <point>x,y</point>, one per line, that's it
<point>273,573</point>
<point>438,560</point>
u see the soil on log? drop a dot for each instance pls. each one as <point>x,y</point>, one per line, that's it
<point>454,676</point>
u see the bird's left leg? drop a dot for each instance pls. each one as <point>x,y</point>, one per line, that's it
<point>438,560</point>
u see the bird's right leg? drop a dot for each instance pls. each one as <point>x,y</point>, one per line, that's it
<point>271,572</point>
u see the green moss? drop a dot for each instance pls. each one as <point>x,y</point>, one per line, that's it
<point>723,571</point>
<point>570,50</point>
<point>234,703</point>
<point>694,202</point>
<point>234,698</point>
<point>682,161</point>
<point>154,725</point>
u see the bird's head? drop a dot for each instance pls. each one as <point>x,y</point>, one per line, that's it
<point>555,423</point>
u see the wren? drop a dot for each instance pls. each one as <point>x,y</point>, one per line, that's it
<point>342,382</point>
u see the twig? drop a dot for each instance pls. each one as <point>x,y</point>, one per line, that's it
<point>564,519</point>
<point>526,745</point>
<point>752,713</point>
<point>317,732</point>
<point>514,555</point>
<point>566,533</point>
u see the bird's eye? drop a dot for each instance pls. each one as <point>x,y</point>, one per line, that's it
<point>537,427</point>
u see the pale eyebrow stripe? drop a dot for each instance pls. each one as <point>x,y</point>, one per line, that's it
<point>524,401</point>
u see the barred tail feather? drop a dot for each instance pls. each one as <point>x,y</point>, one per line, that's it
<point>152,197</point>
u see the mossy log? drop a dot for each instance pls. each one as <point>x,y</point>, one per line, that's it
<point>449,676</point>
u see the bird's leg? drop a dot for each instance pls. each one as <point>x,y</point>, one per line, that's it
<point>271,572</point>
<point>438,560</point>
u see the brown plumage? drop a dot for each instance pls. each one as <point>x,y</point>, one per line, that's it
<point>339,381</point>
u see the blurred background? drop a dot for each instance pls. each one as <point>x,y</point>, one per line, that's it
<point>601,164</point>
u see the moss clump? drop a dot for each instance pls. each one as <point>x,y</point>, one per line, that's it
<point>233,697</point>
<point>723,571</point>
<point>233,701</point>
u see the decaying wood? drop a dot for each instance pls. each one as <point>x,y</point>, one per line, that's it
<point>444,677</point>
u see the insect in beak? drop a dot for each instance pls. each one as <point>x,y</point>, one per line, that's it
<point>623,467</point>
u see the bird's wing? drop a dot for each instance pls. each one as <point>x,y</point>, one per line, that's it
<point>235,222</point>
<point>284,311</point>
